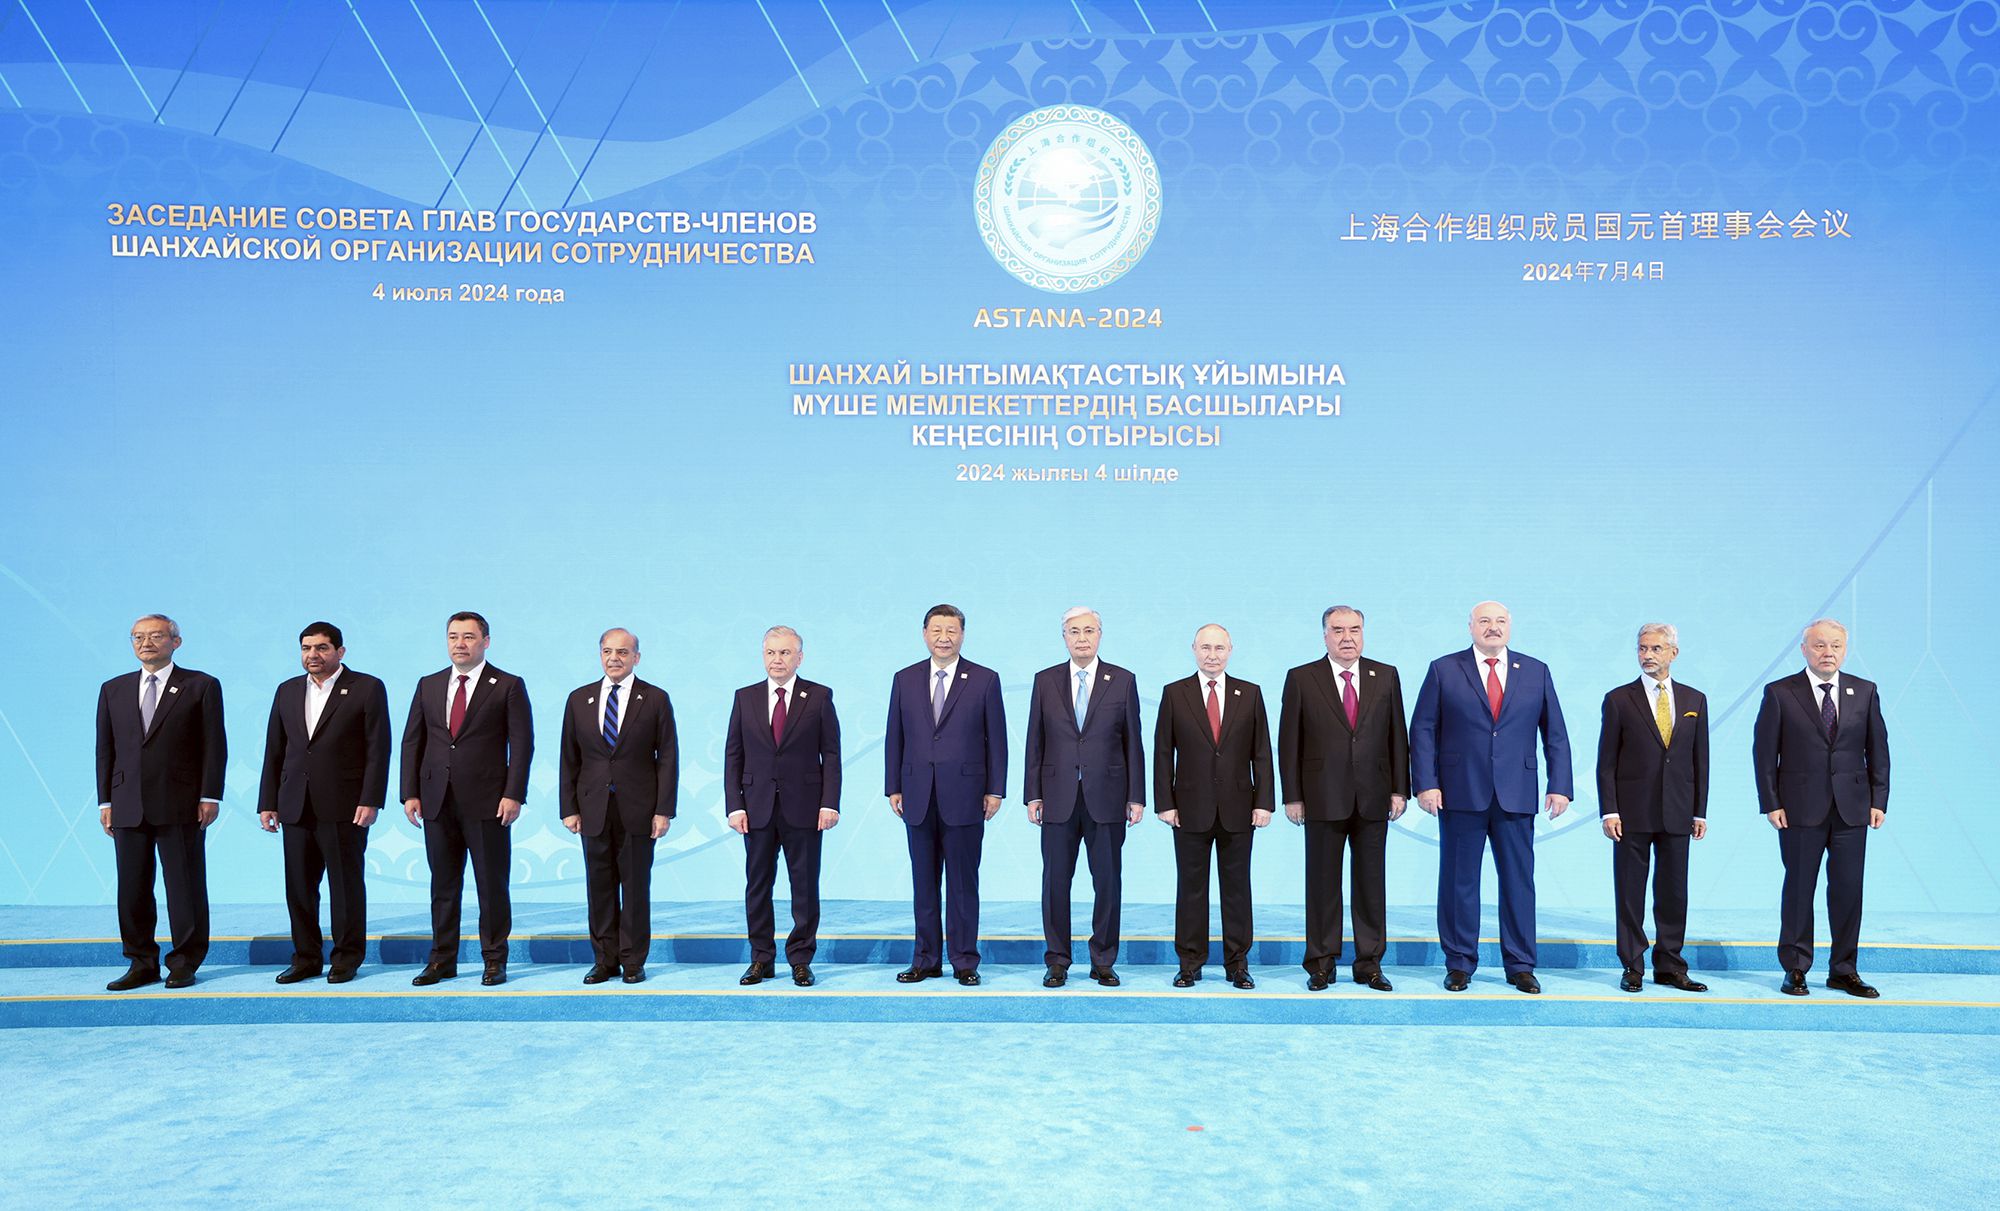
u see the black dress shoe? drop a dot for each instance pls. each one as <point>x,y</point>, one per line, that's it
<point>1240,978</point>
<point>758,972</point>
<point>969,977</point>
<point>1055,977</point>
<point>1850,984</point>
<point>1187,977</point>
<point>135,977</point>
<point>1526,982</point>
<point>340,975</point>
<point>295,973</point>
<point>184,979</point>
<point>1631,981</point>
<point>917,975</point>
<point>1795,984</point>
<point>634,975</point>
<point>1457,981</point>
<point>433,972</point>
<point>1677,980</point>
<point>1316,981</point>
<point>599,973</point>
<point>1104,976</point>
<point>495,973</point>
<point>1380,983</point>
<point>802,975</point>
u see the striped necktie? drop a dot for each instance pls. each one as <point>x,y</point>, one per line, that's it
<point>611,718</point>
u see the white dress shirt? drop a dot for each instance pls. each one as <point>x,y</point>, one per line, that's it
<point>950,672</point>
<point>317,694</point>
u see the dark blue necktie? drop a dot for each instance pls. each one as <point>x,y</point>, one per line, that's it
<point>611,718</point>
<point>1829,719</point>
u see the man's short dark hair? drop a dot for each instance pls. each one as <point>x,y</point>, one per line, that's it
<point>945,611</point>
<point>468,616</point>
<point>323,628</point>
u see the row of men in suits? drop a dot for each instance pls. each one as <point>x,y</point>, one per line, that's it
<point>1346,760</point>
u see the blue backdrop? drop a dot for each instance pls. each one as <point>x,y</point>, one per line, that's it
<point>1787,421</point>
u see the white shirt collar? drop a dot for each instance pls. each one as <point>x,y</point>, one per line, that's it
<point>789,685</point>
<point>324,686</point>
<point>166,671</point>
<point>1338,669</point>
<point>1089,671</point>
<point>474,675</point>
<point>1817,681</point>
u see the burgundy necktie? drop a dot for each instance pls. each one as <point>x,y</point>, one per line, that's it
<point>778,719</point>
<point>458,707</point>
<point>1214,713</point>
<point>1493,685</point>
<point>1348,699</point>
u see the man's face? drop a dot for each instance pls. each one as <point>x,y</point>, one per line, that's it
<point>1825,649</point>
<point>1081,635</point>
<point>1211,650</point>
<point>1656,655</point>
<point>1343,636</point>
<point>319,656</point>
<point>1490,626</point>
<point>944,635</point>
<point>619,653</point>
<point>782,654</point>
<point>465,643</point>
<point>153,643</point>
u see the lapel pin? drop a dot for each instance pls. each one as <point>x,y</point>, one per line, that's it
<point>1236,693</point>
<point>1850,692</point>
<point>174,689</point>
<point>638,697</point>
<point>590,702</point>
<point>343,693</point>
<point>801,695</point>
<point>1517,664</point>
<point>496,680</point>
<point>965,676</point>
<point>1107,677</point>
<point>1371,672</point>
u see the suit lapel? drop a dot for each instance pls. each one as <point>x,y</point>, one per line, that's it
<point>487,689</point>
<point>1321,679</point>
<point>954,689</point>
<point>1475,675</point>
<point>1802,689</point>
<point>1640,699</point>
<point>333,700</point>
<point>760,709</point>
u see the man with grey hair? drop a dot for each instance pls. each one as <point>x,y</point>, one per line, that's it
<point>1652,795</point>
<point>781,791</point>
<point>1085,785</point>
<point>1821,752</point>
<point>1344,757</point>
<point>161,754</point>
<point>1472,760</point>
<point>617,788</point>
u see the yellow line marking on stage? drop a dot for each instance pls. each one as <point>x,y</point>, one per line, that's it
<point>1004,937</point>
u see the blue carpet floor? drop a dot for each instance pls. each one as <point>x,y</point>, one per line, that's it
<point>701,1114</point>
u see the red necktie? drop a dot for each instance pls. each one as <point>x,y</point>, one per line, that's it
<point>458,707</point>
<point>1493,685</point>
<point>1214,713</point>
<point>778,719</point>
<point>1349,700</point>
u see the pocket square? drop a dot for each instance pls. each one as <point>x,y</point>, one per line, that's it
<point>1690,714</point>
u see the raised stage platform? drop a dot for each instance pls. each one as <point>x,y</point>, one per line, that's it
<point>54,962</point>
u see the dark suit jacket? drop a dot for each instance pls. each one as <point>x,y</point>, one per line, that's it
<point>346,760</point>
<point>1456,745</point>
<point>1653,787</point>
<point>1798,770</point>
<point>488,761</point>
<point>1336,771</point>
<point>1212,785</point>
<point>962,756</point>
<point>644,769</point>
<point>162,774</point>
<point>1106,757</point>
<point>799,777</point>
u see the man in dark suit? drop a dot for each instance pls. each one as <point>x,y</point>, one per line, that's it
<point>1822,756</point>
<point>618,782</point>
<point>1086,755</point>
<point>466,750</point>
<point>945,754</point>
<point>326,775</point>
<point>1472,759</point>
<point>781,784</point>
<point>1212,786</point>
<point>1344,757</point>
<point>1652,792</point>
<point>161,754</point>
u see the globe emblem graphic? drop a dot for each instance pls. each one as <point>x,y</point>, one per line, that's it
<point>1067,199</point>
